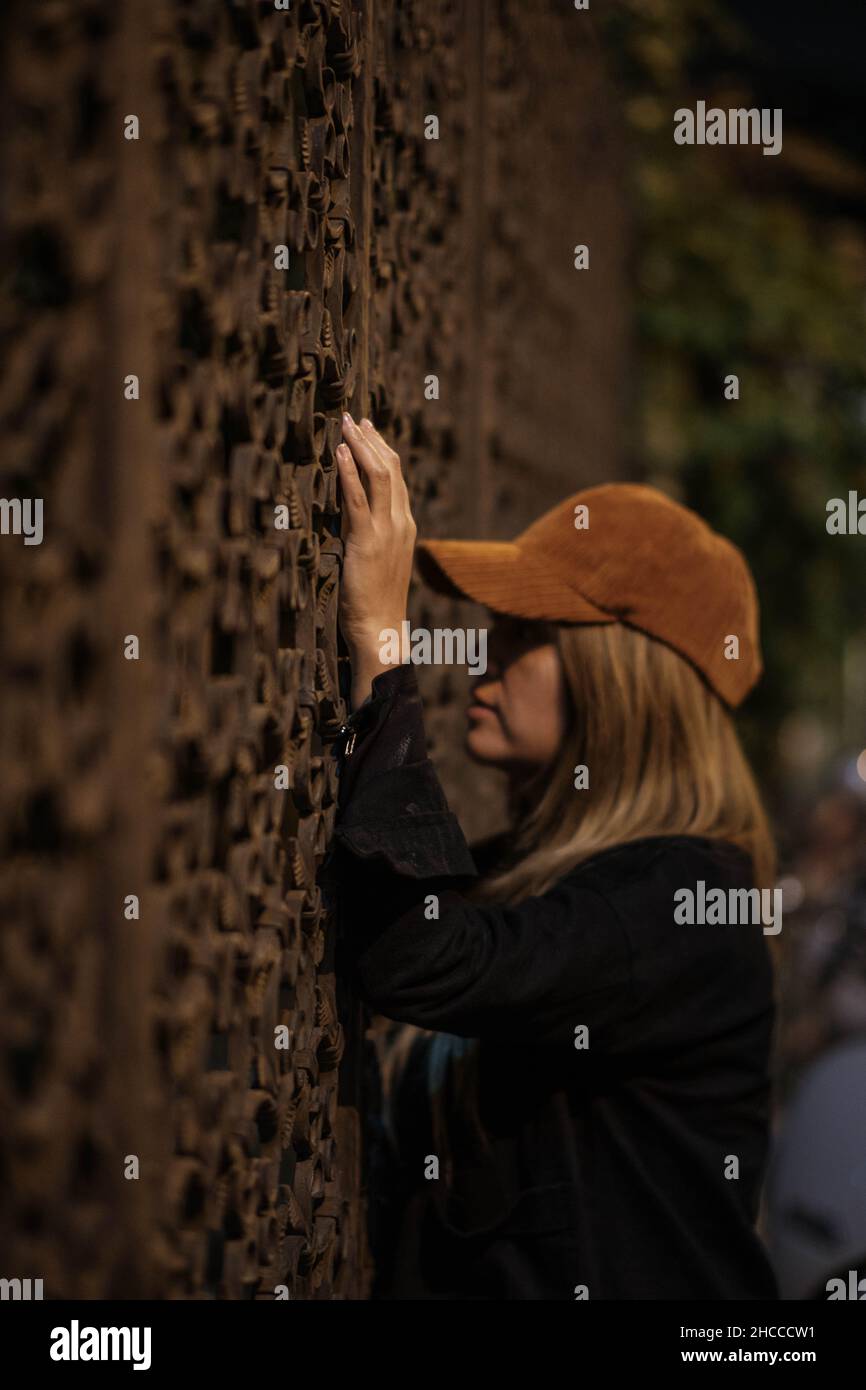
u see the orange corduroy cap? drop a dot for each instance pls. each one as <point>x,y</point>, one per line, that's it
<point>624,553</point>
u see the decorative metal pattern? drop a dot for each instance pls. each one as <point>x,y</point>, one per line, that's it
<point>64,1213</point>
<point>255,362</point>
<point>202,517</point>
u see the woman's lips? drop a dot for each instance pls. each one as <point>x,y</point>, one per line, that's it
<point>475,710</point>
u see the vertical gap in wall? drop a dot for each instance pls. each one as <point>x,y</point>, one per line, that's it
<point>353,1094</point>
<point>361,198</point>
<point>131,944</point>
<point>477,461</point>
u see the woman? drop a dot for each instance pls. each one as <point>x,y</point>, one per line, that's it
<point>596,1062</point>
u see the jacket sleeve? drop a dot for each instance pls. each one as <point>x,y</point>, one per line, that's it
<point>421,951</point>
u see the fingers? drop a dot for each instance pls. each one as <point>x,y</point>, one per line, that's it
<point>389,455</point>
<point>385,452</point>
<point>375,469</point>
<point>399,491</point>
<point>380,465</point>
<point>355,503</point>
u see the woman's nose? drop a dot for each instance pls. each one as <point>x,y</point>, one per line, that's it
<point>483,685</point>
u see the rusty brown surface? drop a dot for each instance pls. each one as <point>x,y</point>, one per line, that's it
<point>154,1037</point>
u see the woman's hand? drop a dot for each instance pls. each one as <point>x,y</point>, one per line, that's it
<point>379,542</point>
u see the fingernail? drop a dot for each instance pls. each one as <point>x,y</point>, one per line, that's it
<point>347,419</point>
<point>368,423</point>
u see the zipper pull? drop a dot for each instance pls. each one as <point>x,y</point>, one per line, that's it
<point>348,734</point>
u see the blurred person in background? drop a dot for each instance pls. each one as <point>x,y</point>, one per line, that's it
<point>816,1188</point>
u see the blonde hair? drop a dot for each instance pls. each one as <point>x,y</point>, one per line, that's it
<point>663,758</point>
<point>662,755</point>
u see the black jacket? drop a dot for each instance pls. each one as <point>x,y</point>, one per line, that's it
<point>606,1172</point>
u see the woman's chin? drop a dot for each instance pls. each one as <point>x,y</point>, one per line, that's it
<point>483,746</point>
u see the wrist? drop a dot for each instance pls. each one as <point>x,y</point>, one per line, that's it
<point>379,644</point>
<point>368,660</point>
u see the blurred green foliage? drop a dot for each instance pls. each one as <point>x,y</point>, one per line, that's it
<point>752,265</point>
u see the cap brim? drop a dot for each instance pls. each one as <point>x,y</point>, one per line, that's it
<point>504,578</point>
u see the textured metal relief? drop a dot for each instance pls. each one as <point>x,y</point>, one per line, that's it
<point>305,132</point>
<point>282,241</point>
<point>61,1192</point>
<point>256,349</point>
<point>279,243</point>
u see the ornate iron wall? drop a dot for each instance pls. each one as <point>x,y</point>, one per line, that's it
<point>146,1029</point>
